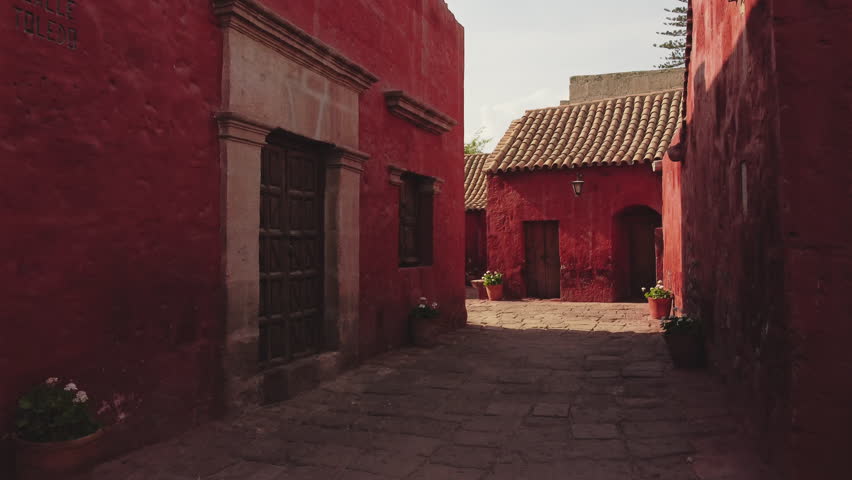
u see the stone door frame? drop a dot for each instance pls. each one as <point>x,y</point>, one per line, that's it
<point>276,77</point>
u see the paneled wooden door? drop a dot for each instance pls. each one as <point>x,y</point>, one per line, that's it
<point>291,252</point>
<point>541,242</point>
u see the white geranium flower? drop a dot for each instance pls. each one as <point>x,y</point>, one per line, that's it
<point>81,397</point>
<point>423,300</point>
<point>51,381</point>
<point>643,289</point>
<point>71,387</point>
<point>434,305</point>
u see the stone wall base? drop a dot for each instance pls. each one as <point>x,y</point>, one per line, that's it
<point>284,382</point>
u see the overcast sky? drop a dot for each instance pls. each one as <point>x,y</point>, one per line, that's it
<point>520,54</point>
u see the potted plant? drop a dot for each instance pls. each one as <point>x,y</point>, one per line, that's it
<point>493,282</point>
<point>685,339</point>
<point>424,324</point>
<point>479,285</point>
<point>56,435</point>
<point>659,300</point>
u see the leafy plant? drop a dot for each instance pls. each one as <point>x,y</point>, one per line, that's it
<point>492,278</point>
<point>425,310</point>
<point>51,412</point>
<point>477,144</point>
<point>675,325</point>
<point>658,291</point>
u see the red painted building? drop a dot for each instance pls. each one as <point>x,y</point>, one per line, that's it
<point>757,224</point>
<point>599,246</point>
<point>209,205</point>
<point>475,199</point>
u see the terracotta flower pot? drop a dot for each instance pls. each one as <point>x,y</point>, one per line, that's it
<point>55,460</point>
<point>495,292</point>
<point>480,289</point>
<point>660,307</point>
<point>686,350</point>
<point>425,331</point>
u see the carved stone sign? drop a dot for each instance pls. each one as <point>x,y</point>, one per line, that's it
<point>50,20</point>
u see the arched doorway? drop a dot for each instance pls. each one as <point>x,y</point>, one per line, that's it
<point>634,251</point>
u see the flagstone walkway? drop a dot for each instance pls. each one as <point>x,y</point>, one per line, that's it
<point>531,390</point>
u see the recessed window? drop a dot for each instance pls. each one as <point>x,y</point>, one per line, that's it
<point>415,220</point>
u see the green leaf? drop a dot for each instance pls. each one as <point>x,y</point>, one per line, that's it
<point>25,403</point>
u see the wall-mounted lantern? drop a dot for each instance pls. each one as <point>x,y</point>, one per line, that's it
<point>577,185</point>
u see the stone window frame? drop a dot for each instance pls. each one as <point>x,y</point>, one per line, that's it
<point>426,189</point>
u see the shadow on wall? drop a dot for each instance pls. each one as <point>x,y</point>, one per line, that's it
<point>758,184</point>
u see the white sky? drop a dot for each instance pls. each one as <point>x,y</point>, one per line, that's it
<point>520,54</point>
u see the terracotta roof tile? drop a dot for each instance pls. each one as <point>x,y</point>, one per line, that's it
<point>475,182</point>
<point>614,131</point>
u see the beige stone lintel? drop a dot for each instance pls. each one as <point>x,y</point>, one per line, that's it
<point>395,175</point>
<point>420,114</point>
<point>267,27</point>
<point>657,165</point>
<point>347,158</point>
<point>437,184</point>
<point>241,129</point>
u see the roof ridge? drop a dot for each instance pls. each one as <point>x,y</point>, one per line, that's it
<point>606,99</point>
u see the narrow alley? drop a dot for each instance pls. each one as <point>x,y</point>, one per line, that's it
<point>530,390</point>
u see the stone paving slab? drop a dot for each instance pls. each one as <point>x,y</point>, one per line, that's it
<point>530,390</point>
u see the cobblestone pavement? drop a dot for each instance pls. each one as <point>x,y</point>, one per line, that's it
<point>531,390</point>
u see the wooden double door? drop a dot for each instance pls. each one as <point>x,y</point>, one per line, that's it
<point>542,267</point>
<point>291,251</point>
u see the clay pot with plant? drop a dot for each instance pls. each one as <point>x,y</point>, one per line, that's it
<point>56,434</point>
<point>493,282</point>
<point>424,323</point>
<point>659,300</point>
<point>684,338</point>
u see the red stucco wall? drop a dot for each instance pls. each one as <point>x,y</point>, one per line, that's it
<point>761,183</point>
<point>475,243</point>
<point>673,228</point>
<point>814,197</point>
<point>110,193</point>
<point>590,271</point>
<point>109,201</point>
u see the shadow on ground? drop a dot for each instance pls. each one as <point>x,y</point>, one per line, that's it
<point>530,390</point>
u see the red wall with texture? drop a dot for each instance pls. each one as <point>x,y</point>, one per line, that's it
<point>109,201</point>
<point>590,269</point>
<point>110,196</point>
<point>763,177</point>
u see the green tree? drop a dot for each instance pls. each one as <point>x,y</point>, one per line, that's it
<point>676,45</point>
<point>477,144</point>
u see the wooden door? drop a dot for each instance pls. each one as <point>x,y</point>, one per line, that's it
<point>640,227</point>
<point>541,242</point>
<point>291,252</point>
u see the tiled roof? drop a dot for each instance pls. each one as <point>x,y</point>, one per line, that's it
<point>475,181</point>
<point>614,131</point>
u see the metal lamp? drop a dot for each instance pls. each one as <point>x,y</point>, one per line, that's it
<point>577,185</point>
